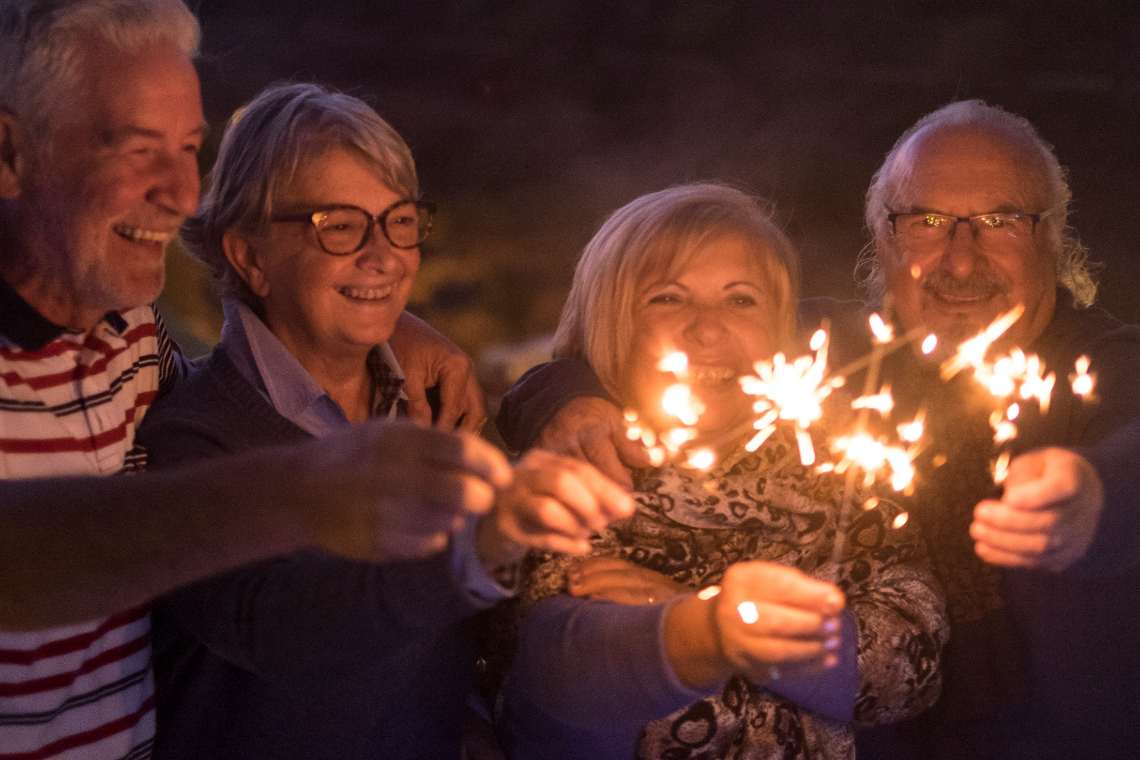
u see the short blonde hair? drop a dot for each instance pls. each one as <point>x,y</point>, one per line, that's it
<point>657,234</point>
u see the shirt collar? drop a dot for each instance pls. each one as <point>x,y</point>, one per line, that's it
<point>30,330</point>
<point>264,361</point>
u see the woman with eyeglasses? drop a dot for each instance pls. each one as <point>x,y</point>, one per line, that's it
<point>312,226</point>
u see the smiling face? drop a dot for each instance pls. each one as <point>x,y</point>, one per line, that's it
<point>323,306</point>
<point>117,177</point>
<point>963,284</point>
<point>718,308</point>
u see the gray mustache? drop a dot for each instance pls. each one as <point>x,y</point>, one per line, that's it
<point>978,285</point>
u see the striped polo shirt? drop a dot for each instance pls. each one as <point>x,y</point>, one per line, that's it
<point>69,405</point>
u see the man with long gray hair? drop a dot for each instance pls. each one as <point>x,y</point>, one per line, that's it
<point>968,217</point>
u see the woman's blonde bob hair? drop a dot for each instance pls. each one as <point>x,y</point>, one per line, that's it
<point>653,238</point>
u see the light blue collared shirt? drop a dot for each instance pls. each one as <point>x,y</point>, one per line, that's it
<point>262,359</point>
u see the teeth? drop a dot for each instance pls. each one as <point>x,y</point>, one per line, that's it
<point>140,235</point>
<point>367,294</point>
<point>711,375</point>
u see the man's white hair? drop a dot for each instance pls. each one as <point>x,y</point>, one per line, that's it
<point>889,183</point>
<point>42,46</point>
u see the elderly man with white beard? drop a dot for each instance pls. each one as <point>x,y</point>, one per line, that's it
<point>968,217</point>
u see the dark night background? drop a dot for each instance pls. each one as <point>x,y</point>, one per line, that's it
<point>530,121</point>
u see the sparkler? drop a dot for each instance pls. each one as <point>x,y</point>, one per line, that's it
<point>1015,376</point>
<point>678,402</point>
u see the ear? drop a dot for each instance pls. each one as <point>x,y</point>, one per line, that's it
<point>243,258</point>
<point>13,156</point>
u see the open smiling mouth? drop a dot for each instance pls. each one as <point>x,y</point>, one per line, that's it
<point>711,376</point>
<point>143,235</point>
<point>366,294</point>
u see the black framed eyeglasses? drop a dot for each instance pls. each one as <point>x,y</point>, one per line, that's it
<point>342,230</point>
<point>928,227</point>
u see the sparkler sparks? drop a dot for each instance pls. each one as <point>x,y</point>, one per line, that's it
<point>792,391</point>
<point>1083,382</point>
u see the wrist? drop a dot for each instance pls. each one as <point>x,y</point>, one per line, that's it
<point>495,550</point>
<point>692,643</point>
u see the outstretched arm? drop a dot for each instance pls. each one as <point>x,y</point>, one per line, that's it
<point>77,548</point>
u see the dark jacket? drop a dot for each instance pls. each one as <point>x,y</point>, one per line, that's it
<point>306,655</point>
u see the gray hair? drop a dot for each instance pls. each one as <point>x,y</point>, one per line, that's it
<point>655,235</point>
<point>265,143</point>
<point>1074,271</point>
<point>42,46</point>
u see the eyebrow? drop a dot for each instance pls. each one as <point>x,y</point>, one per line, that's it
<point>1003,208</point>
<point>124,133</point>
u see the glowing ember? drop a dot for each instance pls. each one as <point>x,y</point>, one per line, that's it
<point>881,402</point>
<point>882,332</point>
<point>818,338</point>
<point>701,459</point>
<point>748,612</point>
<point>871,503</point>
<point>900,520</point>
<point>1013,411</point>
<point>675,362</point>
<point>1001,467</point>
<point>929,343</point>
<point>915,271</point>
<point>708,592</point>
<point>678,401</point>
<point>912,431</point>
<point>807,451</point>
<point>1083,382</point>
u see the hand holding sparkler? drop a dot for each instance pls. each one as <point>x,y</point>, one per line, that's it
<point>592,429</point>
<point>554,503</point>
<point>1047,516</point>
<point>766,619</point>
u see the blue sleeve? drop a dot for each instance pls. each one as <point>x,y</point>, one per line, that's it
<point>307,610</point>
<point>1116,545</point>
<point>594,667</point>
<point>538,395</point>
<point>1108,436</point>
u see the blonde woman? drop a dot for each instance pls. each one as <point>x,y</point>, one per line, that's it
<point>671,673</point>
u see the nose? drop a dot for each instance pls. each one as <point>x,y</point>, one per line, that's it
<point>961,254</point>
<point>176,184</point>
<point>705,326</point>
<point>378,255</point>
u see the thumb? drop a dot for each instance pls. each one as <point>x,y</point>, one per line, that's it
<point>419,410</point>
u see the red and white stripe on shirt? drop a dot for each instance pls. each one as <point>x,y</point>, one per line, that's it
<point>71,407</point>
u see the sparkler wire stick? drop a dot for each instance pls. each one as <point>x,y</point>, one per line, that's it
<point>874,363</point>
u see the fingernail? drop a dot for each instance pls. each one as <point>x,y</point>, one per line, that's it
<point>831,625</point>
<point>831,644</point>
<point>830,661</point>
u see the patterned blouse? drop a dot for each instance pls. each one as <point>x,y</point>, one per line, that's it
<point>691,526</point>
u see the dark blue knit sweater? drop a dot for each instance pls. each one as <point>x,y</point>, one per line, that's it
<point>306,655</point>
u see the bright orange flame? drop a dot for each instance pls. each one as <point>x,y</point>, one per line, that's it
<point>675,362</point>
<point>1083,382</point>
<point>882,332</point>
